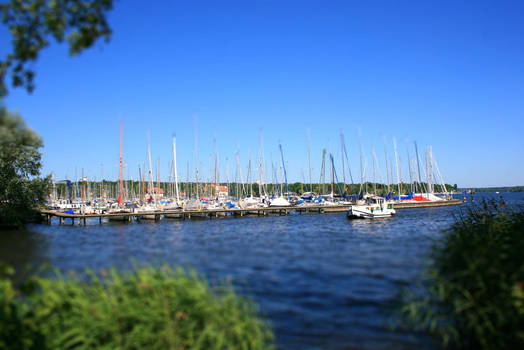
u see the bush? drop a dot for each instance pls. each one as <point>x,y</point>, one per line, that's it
<point>150,308</point>
<point>473,294</point>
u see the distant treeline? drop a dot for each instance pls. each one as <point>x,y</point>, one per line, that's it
<point>496,189</point>
<point>111,189</point>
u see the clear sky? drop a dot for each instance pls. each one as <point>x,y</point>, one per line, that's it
<point>446,73</point>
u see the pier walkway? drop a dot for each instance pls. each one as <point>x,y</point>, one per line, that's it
<point>215,213</point>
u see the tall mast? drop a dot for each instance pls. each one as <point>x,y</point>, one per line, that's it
<point>102,192</point>
<point>261,166</point>
<point>216,174</point>
<point>150,173</point>
<point>332,176</point>
<point>238,177</point>
<point>216,167</point>
<point>196,158</point>
<point>121,198</point>
<point>158,176</point>
<point>387,165</point>
<point>309,158</point>
<point>342,156</point>
<point>349,167</point>
<point>396,161</point>
<point>418,167</point>
<point>249,175</point>
<point>188,185</point>
<point>227,178</point>
<point>177,196</point>
<point>360,147</point>
<point>429,169</point>
<point>409,166</point>
<point>323,173</point>
<point>284,166</point>
<point>139,182</point>
<point>374,172</point>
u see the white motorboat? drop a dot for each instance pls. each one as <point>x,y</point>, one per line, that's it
<point>375,207</point>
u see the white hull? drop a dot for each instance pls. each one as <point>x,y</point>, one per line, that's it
<point>279,202</point>
<point>357,213</point>
<point>376,207</point>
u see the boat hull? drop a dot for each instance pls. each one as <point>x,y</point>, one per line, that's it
<point>358,213</point>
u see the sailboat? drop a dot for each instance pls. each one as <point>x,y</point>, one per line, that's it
<point>175,203</point>
<point>118,206</point>
<point>148,210</point>
<point>281,201</point>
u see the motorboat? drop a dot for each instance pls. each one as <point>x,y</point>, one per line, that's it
<point>374,207</point>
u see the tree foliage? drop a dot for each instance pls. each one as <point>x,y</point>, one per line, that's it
<point>21,189</point>
<point>474,290</point>
<point>32,23</point>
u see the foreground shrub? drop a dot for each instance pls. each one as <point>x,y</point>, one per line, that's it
<point>149,308</point>
<point>473,295</point>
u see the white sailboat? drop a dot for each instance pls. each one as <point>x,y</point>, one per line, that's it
<point>119,207</point>
<point>175,204</point>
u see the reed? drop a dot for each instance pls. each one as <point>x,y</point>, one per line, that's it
<point>149,308</point>
<point>473,294</point>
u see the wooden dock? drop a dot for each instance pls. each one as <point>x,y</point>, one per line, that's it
<point>188,214</point>
<point>215,213</point>
<point>412,205</point>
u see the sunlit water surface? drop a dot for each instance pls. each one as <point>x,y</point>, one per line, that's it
<point>324,282</point>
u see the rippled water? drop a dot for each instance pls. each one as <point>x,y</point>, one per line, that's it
<point>324,281</point>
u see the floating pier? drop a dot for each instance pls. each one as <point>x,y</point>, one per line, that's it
<point>411,205</point>
<point>215,213</point>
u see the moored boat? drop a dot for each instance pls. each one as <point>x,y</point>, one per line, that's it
<point>375,207</point>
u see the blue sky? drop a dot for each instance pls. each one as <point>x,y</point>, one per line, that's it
<point>446,74</point>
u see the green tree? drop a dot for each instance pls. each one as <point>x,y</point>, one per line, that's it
<point>32,23</point>
<point>21,188</point>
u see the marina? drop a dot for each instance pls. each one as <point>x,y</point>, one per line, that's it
<point>127,200</point>
<point>215,213</point>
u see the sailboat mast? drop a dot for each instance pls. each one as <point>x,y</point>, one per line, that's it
<point>396,161</point>
<point>418,167</point>
<point>374,172</point>
<point>121,198</point>
<point>196,159</point>
<point>323,173</point>
<point>177,196</point>
<point>360,147</point>
<point>342,156</point>
<point>260,166</point>
<point>150,173</point>
<point>387,165</point>
<point>332,176</point>
<point>285,174</point>
<point>409,166</point>
<point>249,177</point>
<point>309,158</point>
<point>227,178</point>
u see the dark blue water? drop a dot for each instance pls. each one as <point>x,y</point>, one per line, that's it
<point>324,282</point>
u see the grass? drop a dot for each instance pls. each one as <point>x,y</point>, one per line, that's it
<point>149,308</point>
<point>473,292</point>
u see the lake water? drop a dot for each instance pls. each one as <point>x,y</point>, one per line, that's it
<point>325,282</point>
